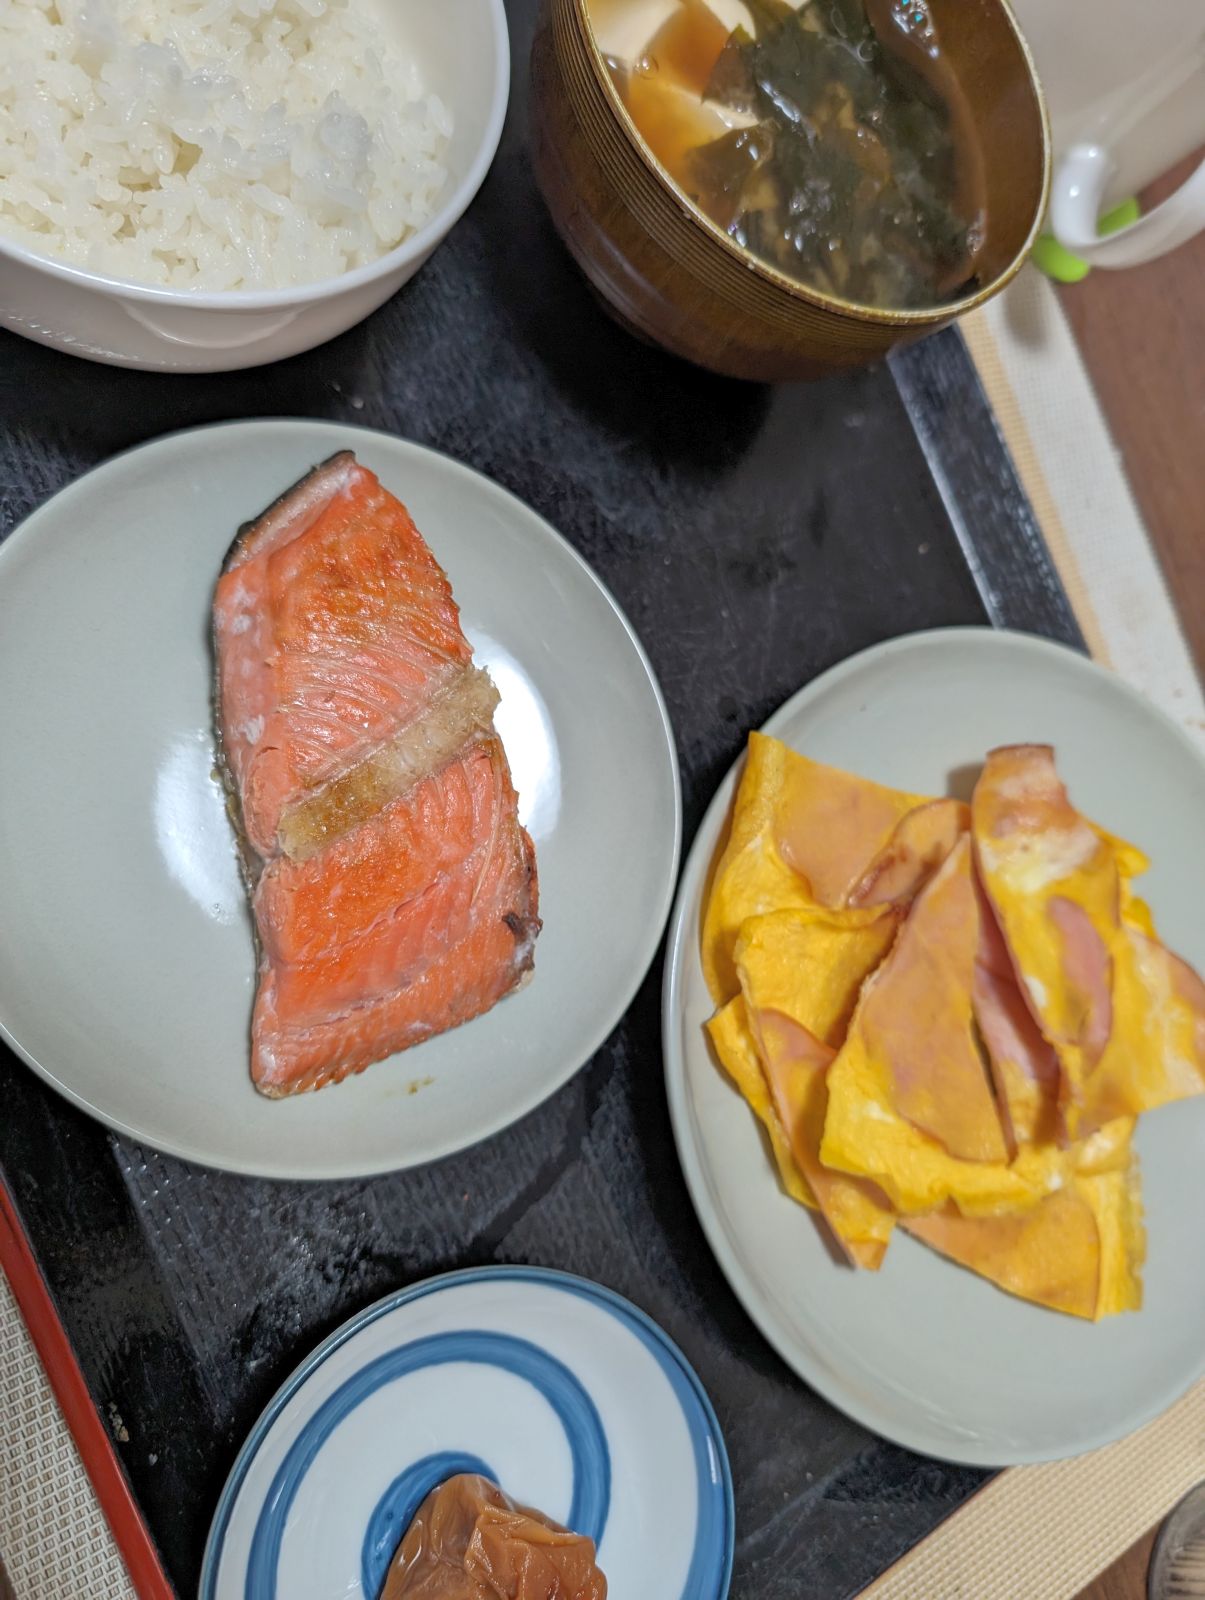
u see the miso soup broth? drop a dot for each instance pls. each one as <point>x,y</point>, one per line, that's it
<point>830,138</point>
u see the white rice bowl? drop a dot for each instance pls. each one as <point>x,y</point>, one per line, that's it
<point>214,144</point>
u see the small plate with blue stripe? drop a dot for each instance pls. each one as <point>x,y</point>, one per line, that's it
<point>559,1390</point>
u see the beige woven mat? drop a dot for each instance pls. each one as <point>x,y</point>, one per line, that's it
<point>54,1540</point>
<point>1043,1533</point>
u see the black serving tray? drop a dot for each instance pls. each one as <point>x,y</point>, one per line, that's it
<point>754,536</point>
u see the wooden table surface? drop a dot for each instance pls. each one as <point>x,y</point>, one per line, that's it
<point>1142,336</point>
<point>1126,1578</point>
<point>1141,333</point>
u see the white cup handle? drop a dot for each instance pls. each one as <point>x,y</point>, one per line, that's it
<point>1076,199</point>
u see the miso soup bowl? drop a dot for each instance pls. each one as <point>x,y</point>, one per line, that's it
<point>128,324</point>
<point>671,275</point>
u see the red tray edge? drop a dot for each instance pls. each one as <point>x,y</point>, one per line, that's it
<point>100,1461</point>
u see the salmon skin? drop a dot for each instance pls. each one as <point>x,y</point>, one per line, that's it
<point>393,888</point>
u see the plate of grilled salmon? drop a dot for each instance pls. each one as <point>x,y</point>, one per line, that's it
<point>934,1029</point>
<point>351,881</point>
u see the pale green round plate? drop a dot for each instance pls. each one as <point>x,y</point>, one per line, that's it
<point>924,1352</point>
<point>126,959</point>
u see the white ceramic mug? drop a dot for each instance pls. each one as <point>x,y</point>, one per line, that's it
<point>1125,84</point>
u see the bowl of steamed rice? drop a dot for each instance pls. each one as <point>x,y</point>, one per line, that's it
<point>200,185</point>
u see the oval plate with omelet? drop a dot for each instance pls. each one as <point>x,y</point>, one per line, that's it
<point>922,1351</point>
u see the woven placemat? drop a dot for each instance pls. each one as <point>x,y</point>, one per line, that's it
<point>54,1540</point>
<point>1042,1533</point>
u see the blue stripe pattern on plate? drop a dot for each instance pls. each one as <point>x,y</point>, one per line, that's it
<point>710,1571</point>
<point>553,1380</point>
<point>394,1511</point>
<point>713,1533</point>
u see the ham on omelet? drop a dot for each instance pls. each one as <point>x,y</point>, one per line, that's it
<point>949,1017</point>
<point>1079,1250</point>
<point>800,973</point>
<point>802,835</point>
<point>1125,1017</point>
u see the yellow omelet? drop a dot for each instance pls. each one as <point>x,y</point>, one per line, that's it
<point>911,1068</point>
<point>909,1105</point>
<point>1079,1250</point>
<point>950,1016</point>
<point>735,1046</point>
<point>800,973</point>
<point>803,834</point>
<point>1125,1017</point>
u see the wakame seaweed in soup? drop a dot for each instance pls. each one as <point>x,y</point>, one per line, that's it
<point>830,139</point>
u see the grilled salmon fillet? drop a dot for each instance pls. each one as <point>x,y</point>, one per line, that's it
<point>393,888</point>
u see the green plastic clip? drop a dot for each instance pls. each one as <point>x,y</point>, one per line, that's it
<point>1050,257</point>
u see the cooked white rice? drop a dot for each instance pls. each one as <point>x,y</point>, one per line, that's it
<point>213,144</point>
